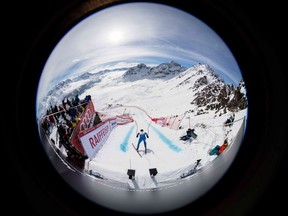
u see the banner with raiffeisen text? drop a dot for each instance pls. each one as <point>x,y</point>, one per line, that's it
<point>84,123</point>
<point>93,138</point>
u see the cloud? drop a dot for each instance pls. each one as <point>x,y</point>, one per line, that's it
<point>136,31</point>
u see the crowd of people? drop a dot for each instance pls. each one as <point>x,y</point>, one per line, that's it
<point>65,117</point>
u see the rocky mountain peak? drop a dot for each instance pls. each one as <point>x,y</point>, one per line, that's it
<point>161,71</point>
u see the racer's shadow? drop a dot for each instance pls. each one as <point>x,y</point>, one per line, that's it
<point>147,152</point>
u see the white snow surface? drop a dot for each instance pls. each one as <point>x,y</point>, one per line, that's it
<point>146,98</point>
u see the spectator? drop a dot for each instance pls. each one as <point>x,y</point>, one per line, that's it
<point>230,120</point>
<point>87,98</point>
<point>189,135</point>
<point>217,150</point>
<point>75,100</point>
<point>223,146</point>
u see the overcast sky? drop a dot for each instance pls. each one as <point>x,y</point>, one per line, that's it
<point>141,33</point>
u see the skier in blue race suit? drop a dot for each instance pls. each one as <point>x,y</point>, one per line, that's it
<point>142,137</point>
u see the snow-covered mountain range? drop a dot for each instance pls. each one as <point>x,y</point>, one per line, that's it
<point>167,86</point>
<point>162,71</point>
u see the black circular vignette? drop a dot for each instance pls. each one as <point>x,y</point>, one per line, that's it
<point>255,179</point>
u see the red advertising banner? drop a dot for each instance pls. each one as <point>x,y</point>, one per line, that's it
<point>84,123</point>
<point>93,139</point>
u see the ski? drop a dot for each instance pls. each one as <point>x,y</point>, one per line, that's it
<point>191,172</point>
<point>136,150</point>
